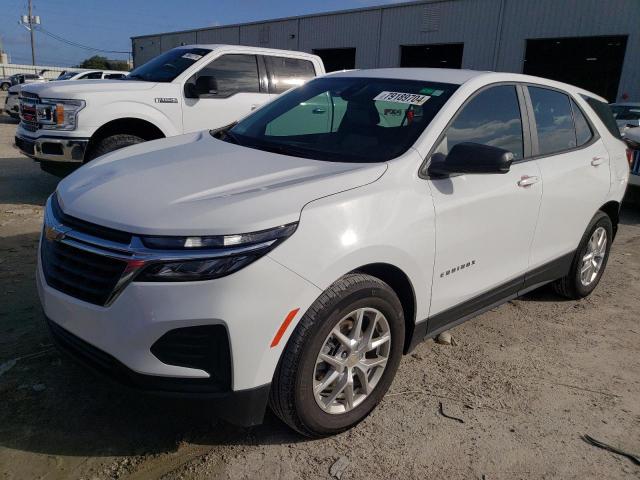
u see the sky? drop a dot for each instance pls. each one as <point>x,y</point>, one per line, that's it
<point>109,24</point>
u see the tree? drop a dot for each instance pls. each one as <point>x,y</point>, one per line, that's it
<point>103,63</point>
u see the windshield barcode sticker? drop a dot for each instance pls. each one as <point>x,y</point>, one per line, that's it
<point>192,56</point>
<point>399,97</point>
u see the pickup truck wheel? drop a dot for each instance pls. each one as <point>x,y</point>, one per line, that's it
<point>589,261</point>
<point>341,358</point>
<point>109,144</point>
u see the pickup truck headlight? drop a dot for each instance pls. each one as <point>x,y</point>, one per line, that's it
<point>209,257</point>
<point>57,114</point>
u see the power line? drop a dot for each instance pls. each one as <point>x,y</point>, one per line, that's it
<point>76,44</point>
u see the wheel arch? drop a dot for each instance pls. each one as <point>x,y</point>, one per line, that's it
<point>400,283</point>
<point>612,209</point>
<point>128,125</point>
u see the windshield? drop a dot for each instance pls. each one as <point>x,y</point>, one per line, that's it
<point>167,66</point>
<point>67,75</point>
<point>344,119</point>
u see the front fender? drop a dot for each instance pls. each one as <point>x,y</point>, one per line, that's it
<point>371,224</point>
<point>168,118</point>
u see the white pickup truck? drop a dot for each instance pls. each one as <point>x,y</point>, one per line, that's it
<point>186,89</point>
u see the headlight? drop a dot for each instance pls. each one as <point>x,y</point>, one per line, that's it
<point>56,114</point>
<point>209,257</point>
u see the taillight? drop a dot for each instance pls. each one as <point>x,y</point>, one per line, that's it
<point>630,157</point>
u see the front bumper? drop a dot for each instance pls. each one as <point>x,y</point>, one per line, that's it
<point>245,407</point>
<point>63,150</point>
<point>120,335</point>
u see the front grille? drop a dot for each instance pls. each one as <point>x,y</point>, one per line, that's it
<point>635,163</point>
<point>81,274</point>
<point>29,126</point>
<point>88,227</point>
<point>205,347</point>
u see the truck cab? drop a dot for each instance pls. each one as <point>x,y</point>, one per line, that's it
<point>186,89</point>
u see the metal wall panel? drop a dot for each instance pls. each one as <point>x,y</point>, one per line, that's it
<point>281,34</point>
<point>172,40</point>
<point>230,35</point>
<point>355,29</point>
<point>470,21</point>
<point>145,48</point>
<point>552,18</point>
<point>494,32</point>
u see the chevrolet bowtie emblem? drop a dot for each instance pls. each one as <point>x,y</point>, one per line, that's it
<point>53,234</point>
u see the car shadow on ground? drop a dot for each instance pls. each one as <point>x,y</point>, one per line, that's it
<point>52,405</point>
<point>5,119</point>
<point>20,187</point>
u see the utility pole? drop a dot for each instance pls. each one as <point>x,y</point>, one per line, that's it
<point>33,47</point>
<point>29,22</point>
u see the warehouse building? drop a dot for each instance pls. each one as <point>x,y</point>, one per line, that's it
<point>591,43</point>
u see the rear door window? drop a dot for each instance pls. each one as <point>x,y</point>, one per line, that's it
<point>285,72</point>
<point>554,120</point>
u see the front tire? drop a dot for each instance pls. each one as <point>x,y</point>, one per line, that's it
<point>112,143</point>
<point>341,358</point>
<point>4,87</point>
<point>589,261</point>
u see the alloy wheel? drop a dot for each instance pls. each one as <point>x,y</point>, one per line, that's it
<point>352,360</point>
<point>594,257</point>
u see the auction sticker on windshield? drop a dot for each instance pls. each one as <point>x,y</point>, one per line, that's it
<point>400,97</point>
<point>192,56</point>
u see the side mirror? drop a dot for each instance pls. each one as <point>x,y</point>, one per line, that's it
<point>470,157</point>
<point>204,85</point>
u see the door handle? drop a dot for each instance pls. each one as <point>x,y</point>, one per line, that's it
<point>595,161</point>
<point>527,181</point>
<point>318,111</point>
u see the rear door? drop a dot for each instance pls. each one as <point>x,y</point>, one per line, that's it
<point>239,91</point>
<point>484,223</point>
<point>574,165</point>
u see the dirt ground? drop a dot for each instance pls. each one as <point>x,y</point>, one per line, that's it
<point>527,379</point>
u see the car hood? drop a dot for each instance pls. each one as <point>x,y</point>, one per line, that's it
<point>80,88</point>
<point>195,184</point>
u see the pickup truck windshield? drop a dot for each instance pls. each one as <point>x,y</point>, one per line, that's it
<point>167,66</point>
<point>344,119</point>
<point>67,75</point>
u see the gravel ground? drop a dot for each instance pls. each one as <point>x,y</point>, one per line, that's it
<point>527,379</point>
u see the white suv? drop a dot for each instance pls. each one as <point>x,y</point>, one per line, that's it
<point>292,259</point>
<point>186,89</point>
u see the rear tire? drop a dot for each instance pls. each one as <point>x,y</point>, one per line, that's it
<point>297,394</point>
<point>112,143</point>
<point>589,261</point>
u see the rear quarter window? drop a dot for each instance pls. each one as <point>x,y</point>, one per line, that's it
<point>603,111</point>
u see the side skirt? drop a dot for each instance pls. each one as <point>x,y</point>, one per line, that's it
<point>469,309</point>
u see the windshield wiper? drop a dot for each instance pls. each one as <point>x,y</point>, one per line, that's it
<point>133,77</point>
<point>289,150</point>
